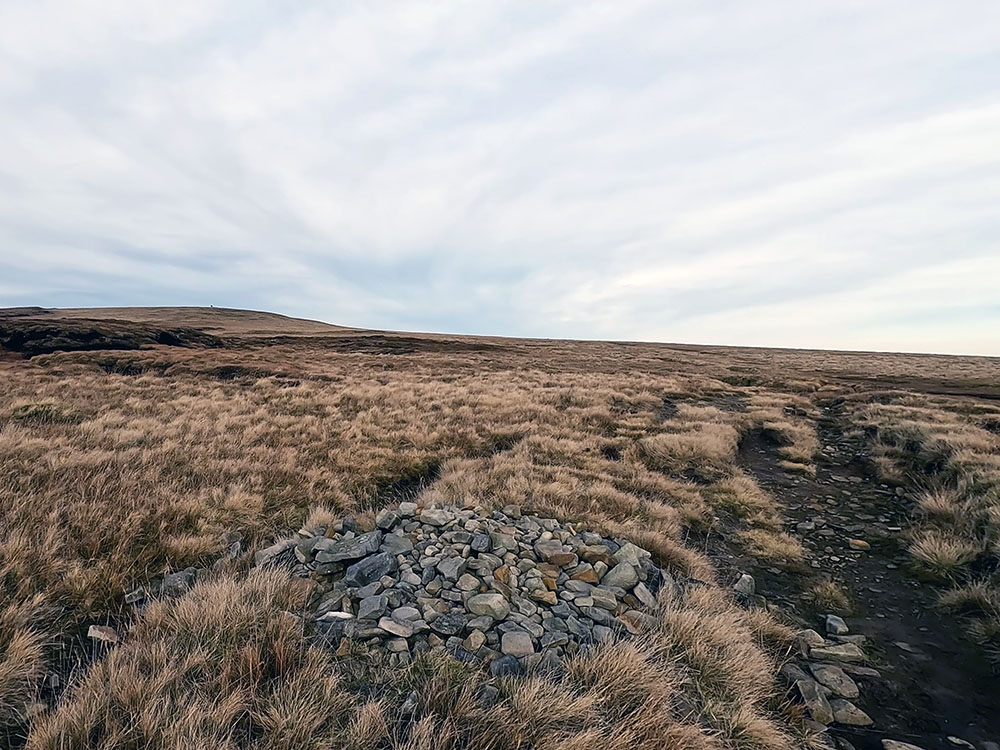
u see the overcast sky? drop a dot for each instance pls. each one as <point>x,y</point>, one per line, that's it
<point>814,174</point>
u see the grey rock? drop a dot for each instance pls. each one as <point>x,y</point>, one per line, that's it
<point>516,643</point>
<point>474,641</point>
<point>604,598</point>
<point>370,590</point>
<point>551,639</point>
<point>835,679</point>
<point>483,622</point>
<point>268,554</point>
<point>450,624</point>
<point>409,706</point>
<point>488,696</point>
<point>370,569</point>
<point>175,584</point>
<point>427,568</point>
<point>745,586</point>
<point>622,576</point>
<point>845,712</point>
<point>481,543</point>
<point>399,645</point>
<point>555,552</point>
<point>838,652</point>
<point>578,587</point>
<point>600,616</point>
<point>836,625</point>
<point>335,616</point>
<point>411,579</point>
<point>435,517</point>
<point>451,568</point>
<point>304,549</point>
<point>348,549</point>
<point>506,665</point>
<point>603,634</point>
<point>386,519</point>
<point>504,541</point>
<point>897,745</point>
<point>793,672</point>
<point>630,553</point>
<point>493,605</point>
<point>372,607</point>
<point>817,704</point>
<point>103,633</point>
<point>401,629</point>
<point>644,595</point>
<point>404,614</point>
<point>395,544</point>
<point>811,639</point>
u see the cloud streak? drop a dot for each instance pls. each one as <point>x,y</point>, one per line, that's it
<point>740,173</point>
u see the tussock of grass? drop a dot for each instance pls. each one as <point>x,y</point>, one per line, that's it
<point>828,596</point>
<point>771,546</point>
<point>704,452</point>
<point>940,554</point>
<point>941,507</point>
<point>22,655</point>
<point>44,413</point>
<point>979,603</point>
<point>978,598</point>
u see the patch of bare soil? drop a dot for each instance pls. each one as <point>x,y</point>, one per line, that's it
<point>377,343</point>
<point>31,337</point>
<point>933,682</point>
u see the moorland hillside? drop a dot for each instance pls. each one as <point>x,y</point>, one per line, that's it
<point>231,529</point>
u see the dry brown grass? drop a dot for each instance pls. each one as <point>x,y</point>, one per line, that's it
<point>115,467</point>
<point>226,666</point>
<point>109,479</point>
<point>828,596</point>
<point>941,554</point>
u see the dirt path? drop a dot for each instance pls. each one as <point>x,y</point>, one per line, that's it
<point>934,683</point>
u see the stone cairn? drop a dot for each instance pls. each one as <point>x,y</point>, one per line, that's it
<point>516,591</point>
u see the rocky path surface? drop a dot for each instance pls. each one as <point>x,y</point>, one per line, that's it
<point>934,688</point>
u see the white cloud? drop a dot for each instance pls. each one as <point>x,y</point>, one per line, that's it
<point>816,174</point>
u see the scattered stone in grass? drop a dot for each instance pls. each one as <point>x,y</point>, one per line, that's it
<point>103,633</point>
<point>745,586</point>
<point>175,584</point>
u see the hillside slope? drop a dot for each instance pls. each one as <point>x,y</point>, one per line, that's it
<point>151,458</point>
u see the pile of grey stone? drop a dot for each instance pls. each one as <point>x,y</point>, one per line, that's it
<point>826,674</point>
<point>516,591</point>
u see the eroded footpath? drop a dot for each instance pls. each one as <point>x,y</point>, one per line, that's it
<point>922,681</point>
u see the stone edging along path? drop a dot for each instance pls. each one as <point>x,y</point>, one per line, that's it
<point>516,591</point>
